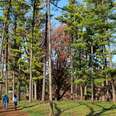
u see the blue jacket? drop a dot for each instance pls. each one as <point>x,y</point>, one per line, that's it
<point>5,99</point>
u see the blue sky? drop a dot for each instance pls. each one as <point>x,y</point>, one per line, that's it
<point>1,12</point>
<point>58,12</point>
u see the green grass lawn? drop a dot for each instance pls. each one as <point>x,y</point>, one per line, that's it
<point>71,108</point>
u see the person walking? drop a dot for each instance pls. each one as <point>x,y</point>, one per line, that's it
<point>15,100</point>
<point>5,101</point>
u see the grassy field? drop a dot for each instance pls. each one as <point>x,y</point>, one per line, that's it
<point>71,108</point>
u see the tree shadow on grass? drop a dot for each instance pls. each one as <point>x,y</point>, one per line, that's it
<point>90,108</point>
<point>29,106</point>
<point>104,110</point>
<point>94,113</point>
<point>59,111</point>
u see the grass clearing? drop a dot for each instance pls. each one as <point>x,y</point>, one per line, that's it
<point>70,108</point>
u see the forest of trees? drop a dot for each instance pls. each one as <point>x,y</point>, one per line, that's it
<point>71,61</point>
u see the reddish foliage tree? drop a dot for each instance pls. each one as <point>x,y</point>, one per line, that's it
<point>60,44</point>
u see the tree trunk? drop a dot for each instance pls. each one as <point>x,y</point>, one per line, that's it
<point>2,68</point>
<point>103,96</point>
<point>30,70</point>
<point>92,91</point>
<point>72,87</point>
<point>13,76</point>
<point>81,92</point>
<point>107,93</point>
<point>85,92</point>
<point>76,91</point>
<point>0,91</point>
<point>6,45</point>
<point>113,92</point>
<point>19,84</point>
<point>35,90</point>
<point>6,68</point>
<point>44,77</point>
<point>49,59</point>
<point>72,78</point>
<point>91,74</point>
<point>6,73</point>
<point>31,52</point>
<point>19,95</point>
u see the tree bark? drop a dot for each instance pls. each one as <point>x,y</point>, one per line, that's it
<point>107,93</point>
<point>103,96</point>
<point>81,92</point>
<point>49,59</point>
<point>44,77</point>
<point>0,91</point>
<point>13,76</point>
<point>6,38</point>
<point>72,87</point>
<point>19,95</point>
<point>49,56</point>
<point>91,74</point>
<point>30,70</point>
<point>35,90</point>
<point>113,92</point>
<point>85,92</point>
<point>31,53</point>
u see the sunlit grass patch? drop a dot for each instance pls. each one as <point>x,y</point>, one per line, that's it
<point>71,108</point>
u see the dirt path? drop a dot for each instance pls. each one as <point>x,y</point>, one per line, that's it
<point>12,112</point>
